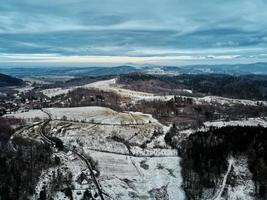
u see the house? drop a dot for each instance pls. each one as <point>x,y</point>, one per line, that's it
<point>82,179</point>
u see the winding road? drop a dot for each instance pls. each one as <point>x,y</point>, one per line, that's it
<point>80,155</point>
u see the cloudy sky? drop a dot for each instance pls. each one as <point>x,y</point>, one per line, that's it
<point>133,31</point>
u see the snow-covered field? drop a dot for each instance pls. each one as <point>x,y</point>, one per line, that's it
<point>100,136</point>
<point>23,88</point>
<point>56,91</point>
<point>111,86</point>
<point>228,101</point>
<point>99,115</point>
<point>29,116</point>
<point>244,122</point>
<point>99,84</point>
<point>93,114</point>
<point>114,140</point>
<point>125,177</point>
<point>134,162</point>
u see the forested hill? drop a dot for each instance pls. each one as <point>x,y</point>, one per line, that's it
<point>252,87</point>
<point>205,156</point>
<point>6,80</point>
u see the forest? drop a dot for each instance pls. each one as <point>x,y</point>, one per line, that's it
<point>252,87</point>
<point>204,157</point>
<point>21,163</point>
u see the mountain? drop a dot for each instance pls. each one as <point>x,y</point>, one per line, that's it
<point>99,71</point>
<point>6,80</point>
<point>252,87</point>
<point>73,71</point>
<point>232,69</point>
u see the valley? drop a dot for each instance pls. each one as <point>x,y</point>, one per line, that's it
<point>133,100</point>
<point>124,137</point>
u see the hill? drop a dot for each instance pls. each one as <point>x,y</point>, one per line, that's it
<point>6,80</point>
<point>252,87</point>
<point>72,71</point>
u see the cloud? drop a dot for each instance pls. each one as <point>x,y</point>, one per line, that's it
<point>147,28</point>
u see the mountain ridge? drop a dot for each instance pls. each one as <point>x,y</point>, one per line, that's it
<point>6,80</point>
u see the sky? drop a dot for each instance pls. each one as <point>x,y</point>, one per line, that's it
<point>133,31</point>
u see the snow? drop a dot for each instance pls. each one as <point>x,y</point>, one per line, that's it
<point>244,186</point>
<point>60,196</point>
<point>112,86</point>
<point>243,122</point>
<point>188,91</point>
<point>75,167</point>
<point>92,114</point>
<point>122,175</point>
<point>24,88</point>
<point>138,172</point>
<point>237,183</point>
<point>158,142</point>
<point>3,94</point>
<point>230,164</point>
<point>109,86</point>
<point>99,136</point>
<point>153,152</point>
<point>227,101</point>
<point>102,83</point>
<point>29,115</point>
<point>140,117</point>
<point>200,100</point>
<point>58,91</point>
<point>47,79</point>
<point>183,134</point>
<point>44,180</point>
<point>99,115</point>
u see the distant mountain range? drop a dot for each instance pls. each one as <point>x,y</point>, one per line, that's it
<point>233,69</point>
<point>74,71</point>
<point>6,80</point>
